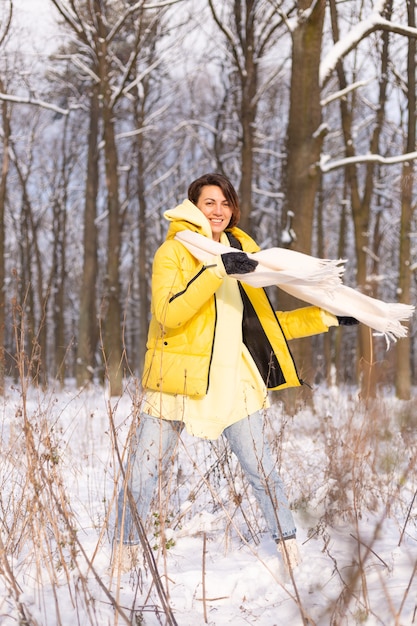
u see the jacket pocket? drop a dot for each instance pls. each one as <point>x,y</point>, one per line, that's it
<point>171,372</point>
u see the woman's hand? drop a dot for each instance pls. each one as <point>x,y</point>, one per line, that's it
<point>238,263</point>
<point>346,321</point>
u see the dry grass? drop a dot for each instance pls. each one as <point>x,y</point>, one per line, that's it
<point>62,458</point>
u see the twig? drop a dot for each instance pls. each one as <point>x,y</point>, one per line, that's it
<point>148,554</point>
<point>407,518</point>
<point>413,573</point>
<point>369,549</point>
<point>204,577</point>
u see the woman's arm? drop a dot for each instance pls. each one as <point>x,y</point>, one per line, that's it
<point>304,322</point>
<point>180,284</point>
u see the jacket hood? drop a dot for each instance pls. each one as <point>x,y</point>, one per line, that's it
<point>186,216</point>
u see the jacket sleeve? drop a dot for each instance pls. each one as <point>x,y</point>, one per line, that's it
<point>304,322</point>
<point>180,285</point>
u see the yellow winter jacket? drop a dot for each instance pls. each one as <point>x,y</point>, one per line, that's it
<point>183,316</point>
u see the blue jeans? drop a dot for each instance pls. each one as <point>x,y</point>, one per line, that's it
<point>154,445</point>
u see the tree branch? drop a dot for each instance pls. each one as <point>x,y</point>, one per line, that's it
<point>365,158</point>
<point>364,28</point>
<point>40,103</point>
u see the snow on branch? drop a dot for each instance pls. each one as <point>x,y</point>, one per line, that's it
<point>40,103</point>
<point>326,166</point>
<point>343,92</point>
<point>159,5</point>
<point>374,22</point>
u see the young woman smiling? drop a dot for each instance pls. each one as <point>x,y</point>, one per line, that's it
<point>215,350</point>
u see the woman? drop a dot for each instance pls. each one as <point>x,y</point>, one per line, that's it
<point>215,348</point>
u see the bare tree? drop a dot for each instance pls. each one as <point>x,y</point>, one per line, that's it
<point>304,134</point>
<point>363,180</point>
<point>59,271</point>
<point>111,57</point>
<point>250,28</point>
<point>3,191</point>
<point>301,179</point>
<point>6,132</point>
<point>112,344</point>
<point>361,202</point>
<point>403,367</point>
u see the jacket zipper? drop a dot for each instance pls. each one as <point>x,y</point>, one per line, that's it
<point>212,343</point>
<point>180,293</point>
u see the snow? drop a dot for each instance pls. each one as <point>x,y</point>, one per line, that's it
<point>326,166</point>
<point>349,468</point>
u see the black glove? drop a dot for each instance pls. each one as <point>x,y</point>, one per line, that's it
<point>238,263</point>
<point>346,321</point>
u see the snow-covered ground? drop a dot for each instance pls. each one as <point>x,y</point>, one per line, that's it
<point>350,473</point>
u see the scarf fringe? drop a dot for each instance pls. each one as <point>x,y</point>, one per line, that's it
<point>397,313</point>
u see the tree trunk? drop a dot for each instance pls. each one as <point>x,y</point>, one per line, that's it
<point>3,193</point>
<point>112,345</point>
<point>248,108</point>
<point>142,253</point>
<point>304,143</point>
<point>59,272</point>
<point>59,267</point>
<point>87,322</point>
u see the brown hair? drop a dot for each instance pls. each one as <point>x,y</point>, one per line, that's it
<point>194,191</point>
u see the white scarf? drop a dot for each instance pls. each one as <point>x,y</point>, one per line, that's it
<point>316,281</point>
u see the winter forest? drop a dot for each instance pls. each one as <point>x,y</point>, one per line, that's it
<point>108,110</point>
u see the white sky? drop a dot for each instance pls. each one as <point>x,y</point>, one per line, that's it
<point>33,25</point>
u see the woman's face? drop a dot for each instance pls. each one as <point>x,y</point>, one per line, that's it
<point>216,208</point>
